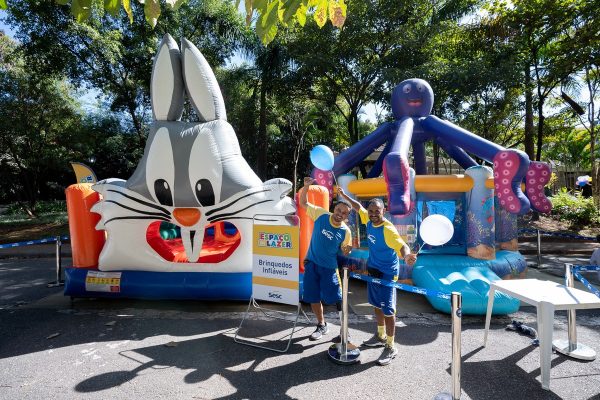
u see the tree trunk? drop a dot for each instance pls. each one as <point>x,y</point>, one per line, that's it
<point>595,185</point>
<point>137,125</point>
<point>540,130</point>
<point>262,144</point>
<point>529,146</point>
<point>296,158</point>
<point>353,126</point>
<point>436,159</point>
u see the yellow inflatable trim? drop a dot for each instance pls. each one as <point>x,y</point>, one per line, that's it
<point>374,187</point>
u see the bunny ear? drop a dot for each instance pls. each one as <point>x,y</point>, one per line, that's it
<point>166,87</point>
<point>201,84</point>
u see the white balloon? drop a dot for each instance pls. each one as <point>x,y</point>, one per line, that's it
<point>436,230</point>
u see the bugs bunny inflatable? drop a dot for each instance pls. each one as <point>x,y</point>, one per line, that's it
<point>191,175</point>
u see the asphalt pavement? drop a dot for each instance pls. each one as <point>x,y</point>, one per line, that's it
<point>53,346</point>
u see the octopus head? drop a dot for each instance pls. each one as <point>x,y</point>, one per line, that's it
<point>412,98</point>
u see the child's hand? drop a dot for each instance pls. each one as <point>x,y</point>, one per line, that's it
<point>410,259</point>
<point>346,249</point>
<point>308,181</point>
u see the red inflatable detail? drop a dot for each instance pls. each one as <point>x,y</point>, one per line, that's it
<point>215,249</point>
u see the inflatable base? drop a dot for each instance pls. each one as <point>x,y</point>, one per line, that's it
<point>158,285</point>
<point>470,277</point>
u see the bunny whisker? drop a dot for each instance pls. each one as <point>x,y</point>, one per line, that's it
<point>208,213</point>
<point>146,203</point>
<point>256,219</point>
<point>220,216</point>
<point>165,215</point>
<point>155,218</point>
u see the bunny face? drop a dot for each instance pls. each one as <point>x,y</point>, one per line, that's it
<point>192,175</point>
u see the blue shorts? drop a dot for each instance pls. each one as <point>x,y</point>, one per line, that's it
<point>321,284</point>
<point>380,296</point>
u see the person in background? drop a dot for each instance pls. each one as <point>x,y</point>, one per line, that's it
<point>321,278</point>
<point>586,190</point>
<point>385,244</point>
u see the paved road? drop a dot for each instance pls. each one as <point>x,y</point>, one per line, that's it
<point>98,349</point>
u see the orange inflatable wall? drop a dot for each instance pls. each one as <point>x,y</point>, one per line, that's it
<point>86,241</point>
<point>319,196</point>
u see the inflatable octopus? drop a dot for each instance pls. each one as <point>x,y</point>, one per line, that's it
<point>412,102</point>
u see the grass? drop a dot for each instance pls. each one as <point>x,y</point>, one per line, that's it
<point>20,228</point>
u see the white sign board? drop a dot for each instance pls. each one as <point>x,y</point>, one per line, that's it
<point>275,266</point>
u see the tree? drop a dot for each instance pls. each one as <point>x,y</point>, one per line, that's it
<point>115,57</point>
<point>291,121</point>
<point>40,125</point>
<point>475,82</point>
<point>545,34</point>
<point>582,47</point>
<point>271,13</point>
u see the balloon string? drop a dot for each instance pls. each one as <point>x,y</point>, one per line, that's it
<point>420,247</point>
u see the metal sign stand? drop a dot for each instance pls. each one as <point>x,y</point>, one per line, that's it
<point>274,314</point>
<point>274,238</point>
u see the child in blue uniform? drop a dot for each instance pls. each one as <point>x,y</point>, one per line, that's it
<point>321,278</point>
<point>385,244</point>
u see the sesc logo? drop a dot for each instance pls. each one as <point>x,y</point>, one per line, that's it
<point>275,295</point>
<point>327,234</point>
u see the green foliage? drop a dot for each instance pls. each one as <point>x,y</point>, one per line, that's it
<point>38,129</point>
<point>271,13</point>
<point>115,57</point>
<point>23,221</point>
<point>43,207</point>
<point>576,209</point>
<point>568,146</point>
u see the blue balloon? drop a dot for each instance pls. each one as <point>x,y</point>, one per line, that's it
<point>321,157</point>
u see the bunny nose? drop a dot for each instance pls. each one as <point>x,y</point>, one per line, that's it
<point>187,216</point>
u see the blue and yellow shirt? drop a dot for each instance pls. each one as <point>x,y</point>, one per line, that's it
<point>385,244</point>
<point>326,237</point>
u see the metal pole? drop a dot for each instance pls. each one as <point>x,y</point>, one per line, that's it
<point>58,259</point>
<point>456,303</point>
<point>571,315</point>
<point>345,315</point>
<point>456,333</point>
<point>58,281</point>
<point>539,249</point>
<point>345,353</point>
<point>570,347</point>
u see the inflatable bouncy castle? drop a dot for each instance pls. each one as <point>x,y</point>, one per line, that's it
<point>482,204</point>
<point>181,225</point>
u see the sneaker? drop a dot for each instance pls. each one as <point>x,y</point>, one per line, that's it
<point>319,332</point>
<point>388,354</point>
<point>375,341</point>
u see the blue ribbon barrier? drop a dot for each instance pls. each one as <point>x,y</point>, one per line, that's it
<point>585,282</point>
<point>558,234</point>
<point>401,286</point>
<point>30,242</point>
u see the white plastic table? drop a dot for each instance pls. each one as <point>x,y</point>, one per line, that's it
<point>547,296</point>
